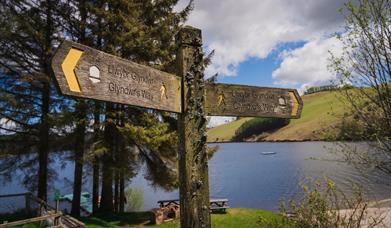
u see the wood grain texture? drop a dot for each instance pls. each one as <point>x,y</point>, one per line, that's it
<point>241,100</point>
<point>193,158</point>
<point>120,80</point>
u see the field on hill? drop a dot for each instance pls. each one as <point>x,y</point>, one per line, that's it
<point>321,112</point>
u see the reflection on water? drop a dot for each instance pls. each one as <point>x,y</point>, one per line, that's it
<point>248,178</point>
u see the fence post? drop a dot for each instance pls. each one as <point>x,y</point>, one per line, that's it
<point>27,202</point>
<point>193,159</point>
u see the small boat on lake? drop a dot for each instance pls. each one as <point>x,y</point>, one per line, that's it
<point>268,153</point>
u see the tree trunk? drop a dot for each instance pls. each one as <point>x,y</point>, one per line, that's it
<point>106,204</point>
<point>81,115</point>
<point>79,153</point>
<point>43,147</point>
<point>122,193</point>
<point>123,162</point>
<point>95,186</point>
<point>44,144</point>
<point>96,162</point>
<point>116,192</point>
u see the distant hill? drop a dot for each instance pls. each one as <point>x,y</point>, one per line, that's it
<point>321,113</point>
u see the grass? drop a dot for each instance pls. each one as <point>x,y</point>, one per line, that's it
<point>321,111</point>
<point>225,132</point>
<point>134,219</point>
<point>235,217</point>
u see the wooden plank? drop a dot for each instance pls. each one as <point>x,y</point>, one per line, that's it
<point>218,200</point>
<point>219,207</point>
<point>32,220</point>
<point>166,201</point>
<point>14,195</point>
<point>72,221</point>
<point>101,76</point>
<point>241,100</point>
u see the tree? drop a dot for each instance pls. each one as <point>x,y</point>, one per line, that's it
<point>27,34</point>
<point>366,64</point>
<point>44,121</point>
<point>80,117</point>
<point>142,31</point>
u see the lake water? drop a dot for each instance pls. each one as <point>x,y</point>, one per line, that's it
<point>242,174</point>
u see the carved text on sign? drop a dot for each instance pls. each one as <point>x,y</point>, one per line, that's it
<point>239,100</point>
<point>90,73</point>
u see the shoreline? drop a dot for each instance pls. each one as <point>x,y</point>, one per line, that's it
<point>282,141</point>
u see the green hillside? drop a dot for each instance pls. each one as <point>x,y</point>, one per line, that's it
<point>320,113</point>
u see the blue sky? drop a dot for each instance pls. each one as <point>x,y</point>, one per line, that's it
<point>272,43</point>
<point>258,72</point>
<point>275,43</point>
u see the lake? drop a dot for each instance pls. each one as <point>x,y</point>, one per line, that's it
<point>248,178</point>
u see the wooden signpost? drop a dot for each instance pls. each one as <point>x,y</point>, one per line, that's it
<point>85,72</point>
<point>240,100</point>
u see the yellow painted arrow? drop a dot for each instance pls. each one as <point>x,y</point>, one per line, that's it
<point>295,101</point>
<point>68,67</point>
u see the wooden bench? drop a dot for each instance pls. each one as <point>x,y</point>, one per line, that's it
<point>215,204</point>
<point>168,211</point>
<point>166,203</point>
<point>219,204</point>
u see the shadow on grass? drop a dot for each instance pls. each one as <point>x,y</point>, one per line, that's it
<point>219,212</point>
<point>15,216</point>
<point>121,219</point>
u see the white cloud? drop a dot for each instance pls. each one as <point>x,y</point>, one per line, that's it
<point>238,30</point>
<point>308,65</point>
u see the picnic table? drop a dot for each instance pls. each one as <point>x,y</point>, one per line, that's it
<point>219,204</point>
<point>215,204</point>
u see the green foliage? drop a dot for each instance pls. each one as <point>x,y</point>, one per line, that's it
<point>316,89</point>
<point>44,121</point>
<point>156,144</point>
<point>28,32</point>
<point>153,133</point>
<point>324,205</point>
<point>365,64</point>
<point>134,199</point>
<point>257,126</point>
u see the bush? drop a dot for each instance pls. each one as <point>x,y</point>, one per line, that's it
<point>324,205</point>
<point>134,199</point>
<point>258,126</point>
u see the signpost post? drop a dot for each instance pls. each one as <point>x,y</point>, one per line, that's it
<point>84,72</point>
<point>193,159</point>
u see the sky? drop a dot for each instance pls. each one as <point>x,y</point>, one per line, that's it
<point>273,43</point>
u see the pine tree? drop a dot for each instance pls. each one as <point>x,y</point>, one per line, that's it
<point>27,35</point>
<point>43,121</point>
<point>142,31</point>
